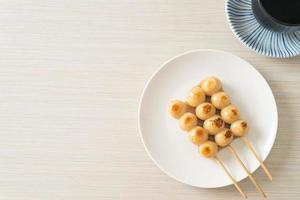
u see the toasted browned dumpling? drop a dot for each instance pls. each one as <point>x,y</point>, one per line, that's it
<point>198,135</point>
<point>195,96</point>
<point>220,100</point>
<point>230,114</point>
<point>211,85</point>
<point>239,128</point>
<point>188,121</point>
<point>224,138</point>
<point>205,111</point>
<point>208,149</point>
<point>214,124</point>
<point>177,108</point>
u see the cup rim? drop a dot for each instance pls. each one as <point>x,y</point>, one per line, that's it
<point>274,19</point>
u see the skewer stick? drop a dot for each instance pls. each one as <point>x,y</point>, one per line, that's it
<point>247,142</point>
<point>231,178</point>
<point>247,171</point>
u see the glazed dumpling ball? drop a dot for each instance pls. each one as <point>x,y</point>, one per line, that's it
<point>239,128</point>
<point>198,135</point>
<point>211,85</point>
<point>205,111</point>
<point>188,121</point>
<point>177,108</point>
<point>220,100</point>
<point>230,114</point>
<point>195,96</point>
<point>214,124</point>
<point>224,138</point>
<point>208,149</point>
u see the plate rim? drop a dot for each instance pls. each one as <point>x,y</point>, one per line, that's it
<point>233,30</point>
<point>142,97</point>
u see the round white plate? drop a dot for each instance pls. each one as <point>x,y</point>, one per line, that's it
<point>169,147</point>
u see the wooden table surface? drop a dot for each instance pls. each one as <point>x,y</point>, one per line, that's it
<point>71,74</point>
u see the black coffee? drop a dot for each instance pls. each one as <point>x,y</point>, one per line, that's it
<point>287,11</point>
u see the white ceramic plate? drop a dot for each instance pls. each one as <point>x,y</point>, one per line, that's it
<point>169,147</point>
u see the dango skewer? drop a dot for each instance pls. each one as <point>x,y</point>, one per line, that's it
<point>240,129</point>
<point>199,135</point>
<point>223,139</point>
<point>231,115</point>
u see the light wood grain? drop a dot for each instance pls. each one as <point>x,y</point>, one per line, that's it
<point>71,74</point>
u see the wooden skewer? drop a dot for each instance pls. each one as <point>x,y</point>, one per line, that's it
<point>231,178</point>
<point>247,171</point>
<point>247,142</point>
